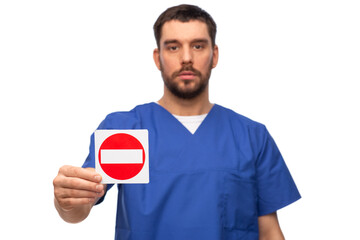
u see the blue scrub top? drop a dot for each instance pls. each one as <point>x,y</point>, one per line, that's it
<point>211,185</point>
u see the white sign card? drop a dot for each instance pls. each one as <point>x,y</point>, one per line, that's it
<point>122,156</point>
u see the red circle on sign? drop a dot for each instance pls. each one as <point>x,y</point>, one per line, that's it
<point>122,171</point>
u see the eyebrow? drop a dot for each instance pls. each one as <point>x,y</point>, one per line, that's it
<point>201,40</point>
<point>197,40</point>
<point>167,42</point>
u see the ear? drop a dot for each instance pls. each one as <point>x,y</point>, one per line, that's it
<point>215,56</point>
<point>156,56</point>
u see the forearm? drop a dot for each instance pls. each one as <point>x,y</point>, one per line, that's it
<point>269,228</point>
<point>276,235</point>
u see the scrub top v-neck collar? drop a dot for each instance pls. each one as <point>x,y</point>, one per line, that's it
<point>174,120</point>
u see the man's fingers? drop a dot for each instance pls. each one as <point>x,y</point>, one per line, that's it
<point>83,173</point>
<point>75,186</point>
<point>74,193</point>
<point>78,184</point>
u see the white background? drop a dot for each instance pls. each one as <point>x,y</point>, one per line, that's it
<point>64,65</point>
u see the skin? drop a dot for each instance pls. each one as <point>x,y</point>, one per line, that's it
<point>76,190</point>
<point>182,46</point>
<point>185,44</point>
<point>269,228</point>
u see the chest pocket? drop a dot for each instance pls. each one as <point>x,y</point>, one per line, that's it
<point>240,204</point>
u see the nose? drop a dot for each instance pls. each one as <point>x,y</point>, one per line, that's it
<point>187,57</point>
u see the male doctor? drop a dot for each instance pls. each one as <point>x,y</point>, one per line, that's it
<point>214,174</point>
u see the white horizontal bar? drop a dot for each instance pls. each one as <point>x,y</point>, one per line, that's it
<point>121,156</point>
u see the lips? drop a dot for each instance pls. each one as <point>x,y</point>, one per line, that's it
<point>186,75</point>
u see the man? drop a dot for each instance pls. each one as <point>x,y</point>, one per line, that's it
<point>214,174</point>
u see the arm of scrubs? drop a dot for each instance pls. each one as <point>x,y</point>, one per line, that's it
<point>276,187</point>
<point>269,228</point>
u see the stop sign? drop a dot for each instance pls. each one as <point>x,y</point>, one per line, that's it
<point>122,155</point>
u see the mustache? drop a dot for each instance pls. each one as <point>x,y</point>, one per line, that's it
<point>187,68</point>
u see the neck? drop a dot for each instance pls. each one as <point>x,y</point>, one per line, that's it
<point>186,107</point>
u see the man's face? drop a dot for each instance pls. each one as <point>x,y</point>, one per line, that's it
<point>186,57</point>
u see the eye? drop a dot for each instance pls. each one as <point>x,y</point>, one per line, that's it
<point>173,48</point>
<point>198,46</point>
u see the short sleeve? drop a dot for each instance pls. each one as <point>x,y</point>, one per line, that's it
<point>275,185</point>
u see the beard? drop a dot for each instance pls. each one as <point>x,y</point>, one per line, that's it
<point>186,93</point>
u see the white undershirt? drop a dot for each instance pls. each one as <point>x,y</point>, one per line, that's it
<point>192,123</point>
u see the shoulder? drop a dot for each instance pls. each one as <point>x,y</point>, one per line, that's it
<point>124,119</point>
<point>244,129</point>
<point>239,120</point>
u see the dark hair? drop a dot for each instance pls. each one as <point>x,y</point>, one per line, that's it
<point>185,13</point>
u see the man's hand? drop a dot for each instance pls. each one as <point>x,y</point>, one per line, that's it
<point>76,190</point>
